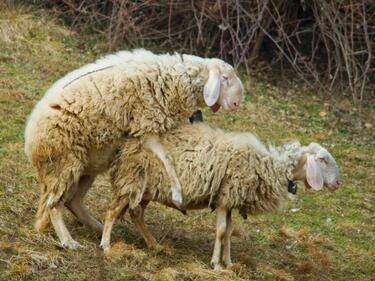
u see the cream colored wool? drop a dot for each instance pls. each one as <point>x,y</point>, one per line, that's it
<point>216,169</point>
<point>224,171</point>
<point>75,129</point>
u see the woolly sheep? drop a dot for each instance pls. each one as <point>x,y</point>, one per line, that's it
<point>223,171</point>
<point>74,130</point>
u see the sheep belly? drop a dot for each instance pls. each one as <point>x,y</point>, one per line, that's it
<point>99,159</point>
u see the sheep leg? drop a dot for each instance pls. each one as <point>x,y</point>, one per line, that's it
<point>154,144</point>
<point>227,241</point>
<point>137,215</point>
<point>118,207</point>
<point>75,204</point>
<point>62,232</point>
<point>221,225</point>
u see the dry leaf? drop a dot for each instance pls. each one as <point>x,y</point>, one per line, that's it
<point>322,113</point>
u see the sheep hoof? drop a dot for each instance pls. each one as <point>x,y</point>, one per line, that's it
<point>216,266</point>
<point>163,249</point>
<point>107,250</point>
<point>177,204</point>
<point>177,197</point>
<point>105,247</point>
<point>229,265</point>
<point>71,244</point>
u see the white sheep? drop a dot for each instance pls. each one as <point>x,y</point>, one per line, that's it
<point>219,170</point>
<point>74,130</point>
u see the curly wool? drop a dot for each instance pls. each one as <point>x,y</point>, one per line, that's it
<point>215,168</point>
<point>77,126</point>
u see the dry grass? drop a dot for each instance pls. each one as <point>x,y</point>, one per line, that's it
<point>330,237</point>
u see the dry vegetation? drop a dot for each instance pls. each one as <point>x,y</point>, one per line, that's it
<point>328,44</point>
<point>319,236</point>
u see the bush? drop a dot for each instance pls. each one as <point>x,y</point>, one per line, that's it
<point>329,44</point>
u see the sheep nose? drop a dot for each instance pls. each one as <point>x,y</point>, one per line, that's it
<point>335,185</point>
<point>235,105</point>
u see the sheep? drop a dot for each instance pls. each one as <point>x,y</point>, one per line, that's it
<point>74,131</point>
<point>218,170</point>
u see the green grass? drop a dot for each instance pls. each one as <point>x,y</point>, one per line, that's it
<point>330,237</point>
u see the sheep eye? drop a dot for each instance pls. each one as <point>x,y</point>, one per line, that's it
<point>225,77</point>
<point>323,160</point>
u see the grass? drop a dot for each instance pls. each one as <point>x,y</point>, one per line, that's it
<point>329,237</point>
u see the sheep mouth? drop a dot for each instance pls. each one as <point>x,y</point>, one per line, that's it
<point>333,187</point>
<point>307,184</point>
<point>215,107</point>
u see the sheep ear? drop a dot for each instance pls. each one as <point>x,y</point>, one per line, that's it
<point>211,91</point>
<point>313,173</point>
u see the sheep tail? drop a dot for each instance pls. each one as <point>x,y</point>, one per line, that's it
<point>42,218</point>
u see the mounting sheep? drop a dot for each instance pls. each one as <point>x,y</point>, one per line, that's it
<point>218,170</point>
<point>75,129</point>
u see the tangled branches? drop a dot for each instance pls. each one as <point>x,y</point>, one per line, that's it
<point>328,43</point>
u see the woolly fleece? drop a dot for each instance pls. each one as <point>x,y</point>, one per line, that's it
<point>76,127</point>
<point>216,169</point>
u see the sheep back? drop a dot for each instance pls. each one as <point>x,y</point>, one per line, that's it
<point>215,169</point>
<point>90,114</point>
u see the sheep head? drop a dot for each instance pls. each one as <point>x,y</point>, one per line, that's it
<point>223,87</point>
<point>317,168</point>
